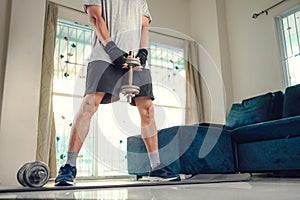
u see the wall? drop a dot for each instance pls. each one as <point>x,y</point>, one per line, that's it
<point>170,14</point>
<point>225,53</point>
<point>176,19</point>
<point>206,30</point>
<point>255,59</point>
<point>21,87</point>
<point>76,4</point>
<point>4,25</point>
<point>204,26</point>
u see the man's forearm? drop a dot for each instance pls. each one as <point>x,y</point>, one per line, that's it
<point>101,31</point>
<point>144,33</point>
<point>99,25</point>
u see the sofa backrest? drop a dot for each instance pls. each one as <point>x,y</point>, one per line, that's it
<point>254,110</point>
<point>276,106</point>
<point>291,106</point>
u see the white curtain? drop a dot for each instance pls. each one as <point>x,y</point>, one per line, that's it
<point>46,127</point>
<point>194,102</point>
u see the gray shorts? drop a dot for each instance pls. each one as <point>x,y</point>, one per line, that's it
<point>104,77</point>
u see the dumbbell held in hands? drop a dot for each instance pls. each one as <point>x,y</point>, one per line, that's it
<point>131,90</point>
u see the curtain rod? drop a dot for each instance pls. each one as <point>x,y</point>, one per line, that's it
<point>256,15</point>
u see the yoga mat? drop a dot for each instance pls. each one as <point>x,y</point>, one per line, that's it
<point>105,184</point>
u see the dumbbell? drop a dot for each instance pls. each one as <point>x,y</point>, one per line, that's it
<point>131,90</point>
<point>33,174</point>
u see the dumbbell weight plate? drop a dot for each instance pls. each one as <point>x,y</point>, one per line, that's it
<point>133,62</point>
<point>130,89</point>
<point>20,174</point>
<point>36,174</point>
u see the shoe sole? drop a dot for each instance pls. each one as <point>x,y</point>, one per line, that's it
<point>159,179</point>
<point>64,183</point>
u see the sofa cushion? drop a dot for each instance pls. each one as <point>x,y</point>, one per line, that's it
<point>291,106</point>
<point>250,111</point>
<point>281,128</point>
<point>269,155</point>
<point>257,109</point>
<point>276,106</point>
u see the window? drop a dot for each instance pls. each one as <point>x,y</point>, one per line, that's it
<point>104,150</point>
<point>73,46</point>
<point>288,27</point>
<point>168,75</point>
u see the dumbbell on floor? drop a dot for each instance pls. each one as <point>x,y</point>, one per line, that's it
<point>33,174</point>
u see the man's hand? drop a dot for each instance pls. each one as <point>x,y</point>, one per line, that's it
<point>117,55</point>
<point>143,56</point>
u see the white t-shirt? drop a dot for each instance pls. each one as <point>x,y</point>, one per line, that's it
<point>124,22</point>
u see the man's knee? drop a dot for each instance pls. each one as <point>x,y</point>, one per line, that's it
<point>147,114</point>
<point>90,103</point>
<point>88,107</point>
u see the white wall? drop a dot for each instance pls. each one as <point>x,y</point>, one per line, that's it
<point>4,26</point>
<point>76,4</point>
<point>255,59</point>
<point>18,132</point>
<point>167,14</point>
<point>170,14</point>
<point>224,53</point>
<point>204,26</point>
<point>205,29</point>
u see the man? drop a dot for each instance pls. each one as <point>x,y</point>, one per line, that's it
<point>120,26</point>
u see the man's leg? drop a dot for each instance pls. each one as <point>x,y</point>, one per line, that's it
<point>148,125</point>
<point>149,135</point>
<point>82,120</point>
<point>78,134</point>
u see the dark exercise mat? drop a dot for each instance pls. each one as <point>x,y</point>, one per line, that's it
<point>197,179</point>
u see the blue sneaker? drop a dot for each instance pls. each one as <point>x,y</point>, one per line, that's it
<point>163,173</point>
<point>66,176</point>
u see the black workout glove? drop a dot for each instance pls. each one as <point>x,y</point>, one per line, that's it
<point>117,55</point>
<point>142,54</point>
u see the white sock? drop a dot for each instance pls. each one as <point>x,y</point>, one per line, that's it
<point>72,158</point>
<point>154,159</point>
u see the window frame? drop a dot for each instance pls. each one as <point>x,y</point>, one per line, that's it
<point>282,44</point>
